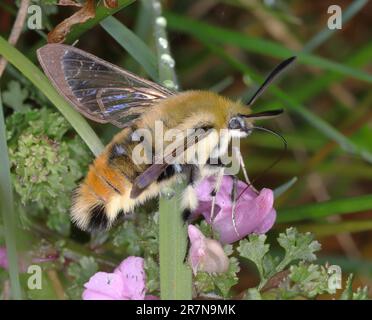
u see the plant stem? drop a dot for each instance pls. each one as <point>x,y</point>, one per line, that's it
<point>175,276</point>
<point>7,210</point>
<point>16,30</point>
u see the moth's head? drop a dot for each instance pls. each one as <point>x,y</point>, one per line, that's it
<point>241,125</point>
<point>241,119</point>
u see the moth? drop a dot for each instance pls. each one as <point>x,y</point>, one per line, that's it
<point>116,182</point>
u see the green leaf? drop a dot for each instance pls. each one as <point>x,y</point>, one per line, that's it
<point>138,236</point>
<point>203,282</point>
<point>361,294</point>
<point>220,284</point>
<point>269,265</point>
<point>348,294</point>
<point>348,291</point>
<point>152,275</point>
<point>309,280</point>
<point>81,271</point>
<point>254,249</point>
<point>46,164</point>
<point>225,281</point>
<point>126,236</point>
<point>297,246</point>
<point>14,97</point>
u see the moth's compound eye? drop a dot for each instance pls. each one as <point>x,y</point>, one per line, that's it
<point>236,123</point>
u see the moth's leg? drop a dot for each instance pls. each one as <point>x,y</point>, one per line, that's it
<point>215,191</point>
<point>234,195</point>
<point>242,164</point>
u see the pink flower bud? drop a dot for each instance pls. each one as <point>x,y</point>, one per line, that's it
<point>206,254</point>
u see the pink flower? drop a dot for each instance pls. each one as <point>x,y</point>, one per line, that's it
<point>206,254</point>
<point>3,258</point>
<point>254,213</point>
<point>127,282</point>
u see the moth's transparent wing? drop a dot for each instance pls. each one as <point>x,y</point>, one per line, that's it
<point>99,90</point>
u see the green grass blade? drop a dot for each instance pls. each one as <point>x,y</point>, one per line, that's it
<point>330,229</point>
<point>325,209</point>
<point>344,142</point>
<point>133,45</point>
<point>318,84</point>
<point>7,211</point>
<point>101,13</point>
<point>268,48</point>
<point>30,71</point>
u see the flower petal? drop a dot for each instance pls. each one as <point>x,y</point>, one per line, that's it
<point>104,286</point>
<point>254,213</point>
<point>251,216</point>
<point>133,277</point>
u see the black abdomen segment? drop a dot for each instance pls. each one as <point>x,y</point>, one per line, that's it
<point>98,218</point>
<point>169,172</point>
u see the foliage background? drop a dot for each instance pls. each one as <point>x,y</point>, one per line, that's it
<point>221,46</point>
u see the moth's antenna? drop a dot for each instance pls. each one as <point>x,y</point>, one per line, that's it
<point>285,147</point>
<point>270,78</point>
<point>263,114</point>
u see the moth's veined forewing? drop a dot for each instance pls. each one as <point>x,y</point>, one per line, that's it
<point>99,90</point>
